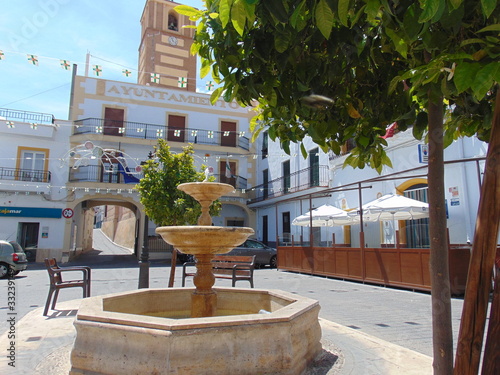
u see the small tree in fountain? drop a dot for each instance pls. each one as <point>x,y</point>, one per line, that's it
<point>162,201</point>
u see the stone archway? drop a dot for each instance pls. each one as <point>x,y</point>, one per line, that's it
<point>78,233</point>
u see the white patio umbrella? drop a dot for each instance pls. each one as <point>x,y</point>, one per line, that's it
<point>325,216</point>
<point>394,207</point>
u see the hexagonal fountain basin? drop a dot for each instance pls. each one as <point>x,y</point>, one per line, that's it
<point>146,332</point>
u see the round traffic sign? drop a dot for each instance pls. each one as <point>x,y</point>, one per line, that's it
<point>68,213</point>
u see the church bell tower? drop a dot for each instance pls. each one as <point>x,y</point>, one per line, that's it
<point>164,53</point>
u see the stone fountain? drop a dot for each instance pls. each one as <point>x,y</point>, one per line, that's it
<point>201,330</point>
<point>204,241</point>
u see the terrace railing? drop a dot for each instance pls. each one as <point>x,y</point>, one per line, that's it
<point>97,173</point>
<point>303,179</point>
<point>25,116</point>
<point>19,174</point>
<point>143,130</point>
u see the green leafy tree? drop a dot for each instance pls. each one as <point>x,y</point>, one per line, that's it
<point>162,201</point>
<point>336,70</point>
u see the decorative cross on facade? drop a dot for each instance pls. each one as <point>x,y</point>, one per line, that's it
<point>34,126</point>
<point>177,133</point>
<point>182,82</point>
<point>10,124</point>
<point>159,133</point>
<point>226,133</point>
<point>210,134</point>
<point>155,78</point>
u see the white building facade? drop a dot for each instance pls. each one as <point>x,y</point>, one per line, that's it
<point>126,120</point>
<point>280,199</point>
<point>33,195</point>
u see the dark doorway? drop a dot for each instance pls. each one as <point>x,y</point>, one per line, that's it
<point>113,121</point>
<point>28,238</point>
<point>265,183</point>
<point>286,226</point>
<point>228,175</point>
<point>176,128</point>
<point>314,167</point>
<point>228,130</point>
<point>286,176</point>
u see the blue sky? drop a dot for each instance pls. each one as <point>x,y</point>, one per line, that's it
<point>55,30</point>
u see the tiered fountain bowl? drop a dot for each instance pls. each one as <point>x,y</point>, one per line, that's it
<point>202,330</point>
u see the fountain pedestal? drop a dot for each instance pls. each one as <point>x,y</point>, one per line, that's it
<point>204,298</point>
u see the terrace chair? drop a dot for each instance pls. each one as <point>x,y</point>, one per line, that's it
<point>57,282</point>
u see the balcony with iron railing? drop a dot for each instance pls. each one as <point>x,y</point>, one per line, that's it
<point>25,175</point>
<point>25,116</point>
<point>316,176</point>
<point>116,175</point>
<point>141,130</point>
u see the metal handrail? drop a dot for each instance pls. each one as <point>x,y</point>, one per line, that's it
<point>97,173</point>
<point>19,174</point>
<point>306,178</point>
<point>26,116</point>
<point>131,129</point>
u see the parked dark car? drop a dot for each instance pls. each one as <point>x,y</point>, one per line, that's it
<point>12,259</point>
<point>264,255</point>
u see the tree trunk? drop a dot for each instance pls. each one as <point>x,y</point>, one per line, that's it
<point>439,268</point>
<point>173,263</point>
<point>491,361</point>
<point>470,339</point>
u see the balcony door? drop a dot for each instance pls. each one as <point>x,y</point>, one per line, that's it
<point>228,133</point>
<point>33,166</point>
<point>286,176</point>
<point>176,128</point>
<point>113,121</point>
<point>314,167</point>
<point>228,175</point>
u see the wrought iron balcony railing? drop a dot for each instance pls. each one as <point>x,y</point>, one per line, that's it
<point>19,174</point>
<point>237,181</point>
<point>25,116</point>
<point>98,173</point>
<point>317,176</point>
<point>143,130</point>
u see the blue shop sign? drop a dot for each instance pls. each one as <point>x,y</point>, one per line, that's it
<point>30,212</point>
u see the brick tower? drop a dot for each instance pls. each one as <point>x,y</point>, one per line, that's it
<point>165,46</point>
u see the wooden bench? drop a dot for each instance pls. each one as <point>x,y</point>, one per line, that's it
<point>230,267</point>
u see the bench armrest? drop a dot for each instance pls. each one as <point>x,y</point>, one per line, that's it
<point>187,264</point>
<point>243,266</point>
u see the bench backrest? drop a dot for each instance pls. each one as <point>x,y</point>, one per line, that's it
<point>244,259</point>
<point>52,267</point>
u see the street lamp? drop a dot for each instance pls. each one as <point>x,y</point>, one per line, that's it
<point>144,260</point>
